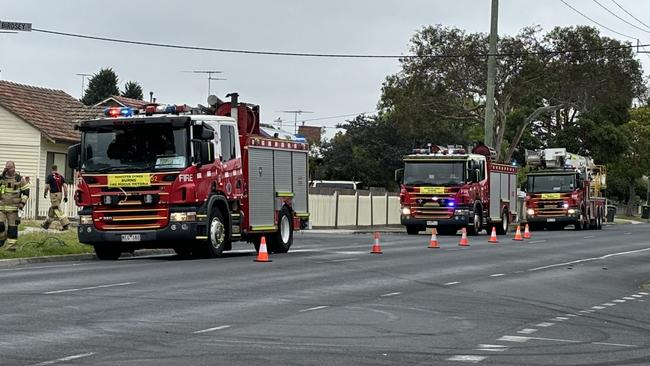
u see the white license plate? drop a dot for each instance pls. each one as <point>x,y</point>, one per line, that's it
<point>130,237</point>
<point>550,220</point>
<point>432,223</point>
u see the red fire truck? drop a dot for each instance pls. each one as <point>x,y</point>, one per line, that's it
<point>175,177</point>
<point>448,188</point>
<point>564,189</point>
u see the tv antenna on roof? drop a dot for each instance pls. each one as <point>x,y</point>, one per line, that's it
<point>295,118</point>
<point>210,73</point>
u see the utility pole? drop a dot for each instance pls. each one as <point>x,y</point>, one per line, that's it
<point>83,83</point>
<point>491,76</point>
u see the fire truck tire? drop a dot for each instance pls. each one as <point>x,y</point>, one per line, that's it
<point>281,240</point>
<point>478,222</point>
<point>599,220</point>
<point>213,247</point>
<point>414,229</point>
<point>502,228</point>
<point>107,253</point>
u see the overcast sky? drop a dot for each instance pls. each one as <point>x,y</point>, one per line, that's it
<point>328,87</point>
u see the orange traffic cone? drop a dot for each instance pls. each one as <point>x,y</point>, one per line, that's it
<point>518,236</point>
<point>493,237</point>
<point>263,254</point>
<point>434,239</point>
<point>463,239</point>
<point>376,249</point>
<point>527,232</point>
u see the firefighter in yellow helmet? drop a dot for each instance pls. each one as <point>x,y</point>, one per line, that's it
<point>14,192</point>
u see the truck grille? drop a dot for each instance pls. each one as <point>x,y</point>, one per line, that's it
<point>431,213</point>
<point>131,219</point>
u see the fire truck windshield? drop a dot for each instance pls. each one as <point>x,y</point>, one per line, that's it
<point>134,148</point>
<point>551,183</point>
<point>434,173</point>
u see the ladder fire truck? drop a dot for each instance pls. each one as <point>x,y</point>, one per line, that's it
<point>176,177</point>
<point>448,188</point>
<point>564,189</point>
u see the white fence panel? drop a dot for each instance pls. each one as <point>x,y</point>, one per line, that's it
<point>393,211</point>
<point>32,212</point>
<point>321,210</point>
<point>347,211</point>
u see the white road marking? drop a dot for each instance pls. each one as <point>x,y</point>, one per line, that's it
<point>588,259</point>
<point>598,307</point>
<point>619,301</point>
<point>609,304</point>
<point>467,358</point>
<point>627,233</point>
<point>628,298</point>
<point>350,252</point>
<point>491,348</point>
<point>314,308</point>
<point>544,325</point>
<point>536,241</point>
<point>527,331</point>
<point>497,275</point>
<point>64,359</point>
<point>560,318</point>
<point>588,236</point>
<point>637,296</point>
<point>585,311</point>
<point>345,260</point>
<point>644,293</point>
<point>452,283</point>
<point>614,344</point>
<point>88,288</point>
<point>517,339</point>
<point>391,294</point>
<point>211,329</point>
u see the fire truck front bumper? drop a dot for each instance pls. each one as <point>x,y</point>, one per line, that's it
<point>170,236</point>
<point>453,221</point>
<point>546,219</point>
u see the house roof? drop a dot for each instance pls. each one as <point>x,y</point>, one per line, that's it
<point>52,112</point>
<point>123,101</point>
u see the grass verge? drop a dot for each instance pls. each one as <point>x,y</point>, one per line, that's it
<point>42,243</point>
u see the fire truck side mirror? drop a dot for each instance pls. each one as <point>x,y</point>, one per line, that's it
<point>399,175</point>
<point>74,153</point>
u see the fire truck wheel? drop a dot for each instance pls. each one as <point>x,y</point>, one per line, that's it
<point>502,228</point>
<point>216,242</point>
<point>478,223</point>
<point>599,221</point>
<point>107,253</point>
<point>281,240</point>
<point>414,230</point>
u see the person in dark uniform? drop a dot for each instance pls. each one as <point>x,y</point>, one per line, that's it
<point>55,184</point>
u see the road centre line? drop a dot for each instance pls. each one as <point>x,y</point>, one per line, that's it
<point>589,259</point>
<point>497,275</point>
<point>609,304</point>
<point>537,241</point>
<point>598,307</point>
<point>588,236</point>
<point>629,298</point>
<point>560,318</point>
<point>314,308</point>
<point>211,329</point>
<point>637,296</point>
<point>65,359</point>
<point>345,260</point>
<point>644,293</point>
<point>391,294</point>
<point>452,283</point>
<point>88,288</point>
<point>492,348</point>
<point>544,325</point>
<point>519,339</point>
<point>527,331</point>
<point>620,301</point>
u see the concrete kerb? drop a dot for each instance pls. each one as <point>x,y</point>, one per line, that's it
<point>77,257</point>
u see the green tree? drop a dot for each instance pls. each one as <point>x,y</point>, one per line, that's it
<point>101,86</point>
<point>133,90</point>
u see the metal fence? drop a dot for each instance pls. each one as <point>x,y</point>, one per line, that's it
<point>37,206</point>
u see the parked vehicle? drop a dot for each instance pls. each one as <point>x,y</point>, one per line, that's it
<point>564,189</point>
<point>172,177</point>
<point>448,188</point>
<point>336,184</point>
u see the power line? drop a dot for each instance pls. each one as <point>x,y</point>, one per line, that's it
<point>593,21</point>
<point>335,55</point>
<point>333,117</point>
<point>616,15</point>
<point>630,14</point>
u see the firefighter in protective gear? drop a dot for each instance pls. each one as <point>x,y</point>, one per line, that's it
<point>14,192</point>
<point>55,184</point>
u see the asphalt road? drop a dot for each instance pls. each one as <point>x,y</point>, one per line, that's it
<point>562,298</point>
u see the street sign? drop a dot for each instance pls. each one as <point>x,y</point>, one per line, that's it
<point>13,26</point>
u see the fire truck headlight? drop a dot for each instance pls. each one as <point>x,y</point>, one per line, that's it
<point>85,220</point>
<point>565,205</point>
<point>406,211</point>
<point>182,216</point>
<point>530,212</point>
<point>571,211</point>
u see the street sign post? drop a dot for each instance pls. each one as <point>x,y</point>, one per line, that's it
<point>14,26</point>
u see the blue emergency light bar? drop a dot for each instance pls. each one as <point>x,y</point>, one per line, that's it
<point>119,112</point>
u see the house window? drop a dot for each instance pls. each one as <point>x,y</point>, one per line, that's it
<point>60,160</point>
